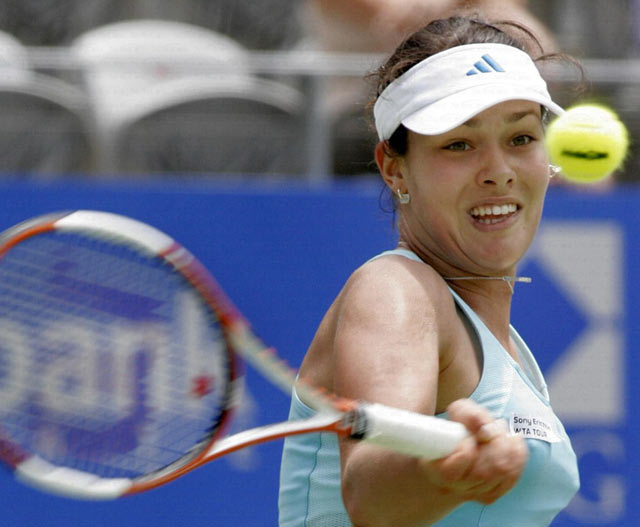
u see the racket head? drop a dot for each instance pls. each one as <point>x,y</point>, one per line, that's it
<point>116,371</point>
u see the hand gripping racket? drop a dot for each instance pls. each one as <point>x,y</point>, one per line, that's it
<point>119,364</point>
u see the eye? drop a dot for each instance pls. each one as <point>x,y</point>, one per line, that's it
<point>522,140</point>
<point>458,146</point>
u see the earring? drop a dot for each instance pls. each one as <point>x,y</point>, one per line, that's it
<point>553,170</point>
<point>404,199</point>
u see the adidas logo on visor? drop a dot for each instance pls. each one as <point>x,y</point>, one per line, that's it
<point>486,65</point>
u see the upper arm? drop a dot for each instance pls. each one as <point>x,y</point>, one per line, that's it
<point>388,336</point>
<point>391,326</point>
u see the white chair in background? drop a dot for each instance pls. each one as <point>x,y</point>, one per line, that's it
<point>233,126</point>
<point>44,129</point>
<point>14,59</point>
<point>128,66</point>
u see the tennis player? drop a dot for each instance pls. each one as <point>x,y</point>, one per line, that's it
<point>426,326</point>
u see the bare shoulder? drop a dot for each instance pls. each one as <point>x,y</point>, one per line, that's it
<point>394,320</point>
<point>398,290</point>
<point>384,336</point>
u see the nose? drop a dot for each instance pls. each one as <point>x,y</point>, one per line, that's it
<point>495,170</point>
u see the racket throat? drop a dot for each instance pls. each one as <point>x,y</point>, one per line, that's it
<point>356,422</point>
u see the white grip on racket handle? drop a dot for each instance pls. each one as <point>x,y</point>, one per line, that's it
<point>407,432</point>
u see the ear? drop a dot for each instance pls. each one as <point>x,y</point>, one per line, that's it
<point>391,168</point>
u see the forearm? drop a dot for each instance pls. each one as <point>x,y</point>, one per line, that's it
<point>381,488</point>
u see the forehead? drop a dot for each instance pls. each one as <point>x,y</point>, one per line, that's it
<point>508,112</point>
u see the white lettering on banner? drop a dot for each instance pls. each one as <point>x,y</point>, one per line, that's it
<point>70,371</point>
<point>533,427</point>
<point>73,366</point>
<point>139,353</point>
<point>14,364</point>
<point>118,374</point>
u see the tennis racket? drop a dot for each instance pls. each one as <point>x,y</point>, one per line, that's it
<point>120,364</point>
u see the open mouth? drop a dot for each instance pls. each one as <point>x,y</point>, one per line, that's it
<point>491,214</point>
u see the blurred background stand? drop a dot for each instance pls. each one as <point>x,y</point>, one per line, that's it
<point>44,126</point>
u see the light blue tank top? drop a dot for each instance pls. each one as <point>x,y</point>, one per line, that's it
<point>310,494</point>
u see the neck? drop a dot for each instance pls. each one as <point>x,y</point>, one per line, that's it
<point>509,280</point>
<point>489,296</point>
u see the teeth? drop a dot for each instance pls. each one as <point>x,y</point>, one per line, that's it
<point>495,210</point>
<point>489,221</point>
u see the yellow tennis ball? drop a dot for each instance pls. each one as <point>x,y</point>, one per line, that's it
<point>588,142</point>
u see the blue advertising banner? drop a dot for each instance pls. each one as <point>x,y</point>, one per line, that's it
<point>283,253</point>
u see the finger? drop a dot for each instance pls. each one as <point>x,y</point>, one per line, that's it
<point>472,489</point>
<point>469,413</point>
<point>500,464</point>
<point>502,458</point>
<point>484,491</point>
<point>494,493</point>
<point>492,430</point>
<point>457,465</point>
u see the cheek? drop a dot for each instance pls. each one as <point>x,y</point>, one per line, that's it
<point>537,194</point>
<point>540,160</point>
<point>535,172</point>
<point>541,183</point>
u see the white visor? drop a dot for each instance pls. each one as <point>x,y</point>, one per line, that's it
<point>449,88</point>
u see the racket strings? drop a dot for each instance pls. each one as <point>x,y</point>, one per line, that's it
<point>78,315</point>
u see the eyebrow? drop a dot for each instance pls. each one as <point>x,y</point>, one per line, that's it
<point>511,118</point>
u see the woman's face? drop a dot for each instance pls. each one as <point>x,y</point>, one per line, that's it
<point>477,191</point>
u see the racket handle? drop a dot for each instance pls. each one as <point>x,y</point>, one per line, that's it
<point>407,432</point>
